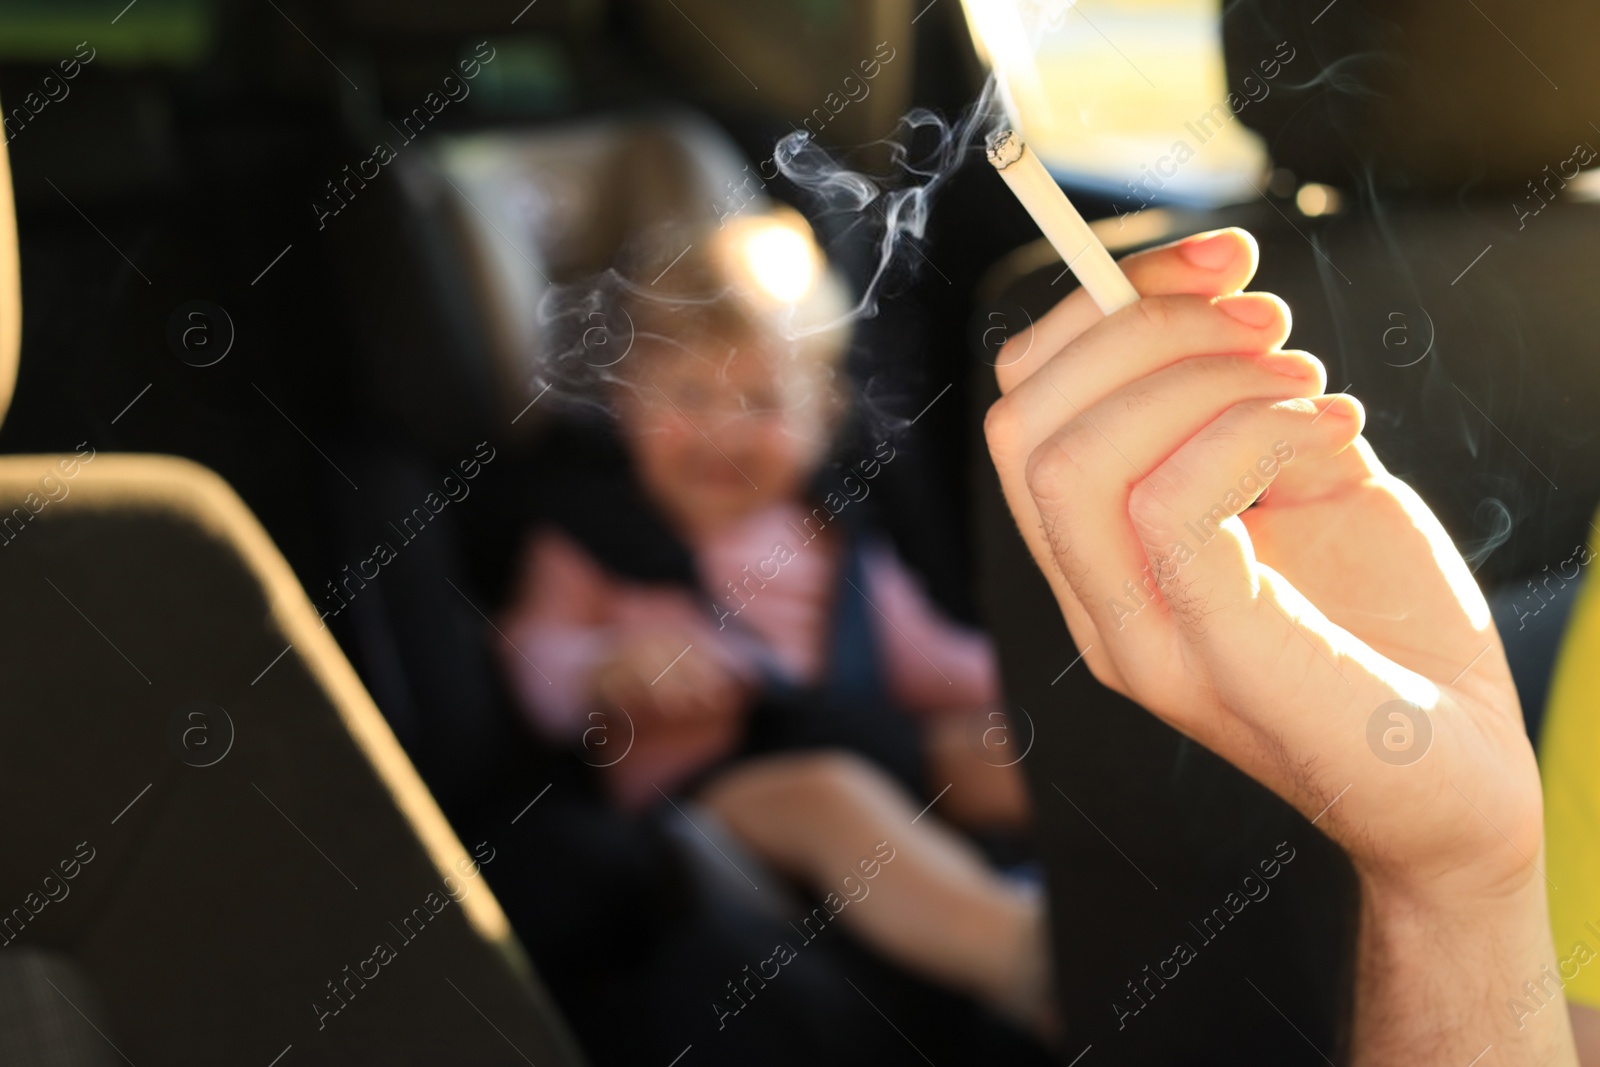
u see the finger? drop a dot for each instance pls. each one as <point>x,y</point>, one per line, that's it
<point>1185,514</point>
<point>1132,344</point>
<point>1232,617</point>
<point>677,687</point>
<point>714,697</point>
<point>1083,477</point>
<point>670,660</point>
<point>1208,264</point>
<point>1022,421</point>
<point>1035,535</point>
<point>1304,483</point>
<point>615,683</point>
<point>704,686</point>
<point>1135,342</point>
<point>667,700</point>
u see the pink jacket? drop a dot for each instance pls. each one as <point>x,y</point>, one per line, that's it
<point>569,612</point>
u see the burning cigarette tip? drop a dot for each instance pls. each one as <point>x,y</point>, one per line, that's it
<point>1005,148</point>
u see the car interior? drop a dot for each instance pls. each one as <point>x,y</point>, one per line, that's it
<point>271,323</point>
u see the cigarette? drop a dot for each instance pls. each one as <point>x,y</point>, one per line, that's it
<point>1063,227</point>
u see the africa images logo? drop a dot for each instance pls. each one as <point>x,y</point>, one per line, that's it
<point>1399,732</point>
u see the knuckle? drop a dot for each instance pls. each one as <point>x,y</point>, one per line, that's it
<point>1015,348</point>
<point>1279,324</point>
<point>1285,322</point>
<point>1318,379</point>
<point>1242,415</point>
<point>1235,421</point>
<point>1000,428</point>
<point>1148,509</point>
<point>1055,466</point>
<point>1154,313</point>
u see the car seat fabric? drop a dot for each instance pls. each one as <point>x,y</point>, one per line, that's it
<point>241,828</point>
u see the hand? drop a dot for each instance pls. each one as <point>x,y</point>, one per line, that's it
<point>1129,447</point>
<point>662,686</point>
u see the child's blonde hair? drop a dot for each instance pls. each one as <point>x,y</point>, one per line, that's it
<point>757,278</point>
<point>756,284</point>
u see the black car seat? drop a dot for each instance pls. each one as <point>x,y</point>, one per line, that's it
<point>217,851</point>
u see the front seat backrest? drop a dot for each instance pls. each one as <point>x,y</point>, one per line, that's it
<point>206,815</point>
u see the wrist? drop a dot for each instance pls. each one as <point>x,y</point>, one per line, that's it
<point>1443,966</point>
<point>1456,846</point>
<point>1490,892</point>
<point>1444,926</point>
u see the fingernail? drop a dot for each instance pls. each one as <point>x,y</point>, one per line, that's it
<point>1212,253</point>
<point>1253,309</point>
<point>1290,366</point>
<point>1340,406</point>
<point>1301,366</point>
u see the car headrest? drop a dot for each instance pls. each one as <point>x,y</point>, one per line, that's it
<point>50,1028</point>
<point>1420,95</point>
<point>484,224</point>
<point>10,288</point>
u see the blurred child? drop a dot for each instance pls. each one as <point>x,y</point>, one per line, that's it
<point>800,685</point>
